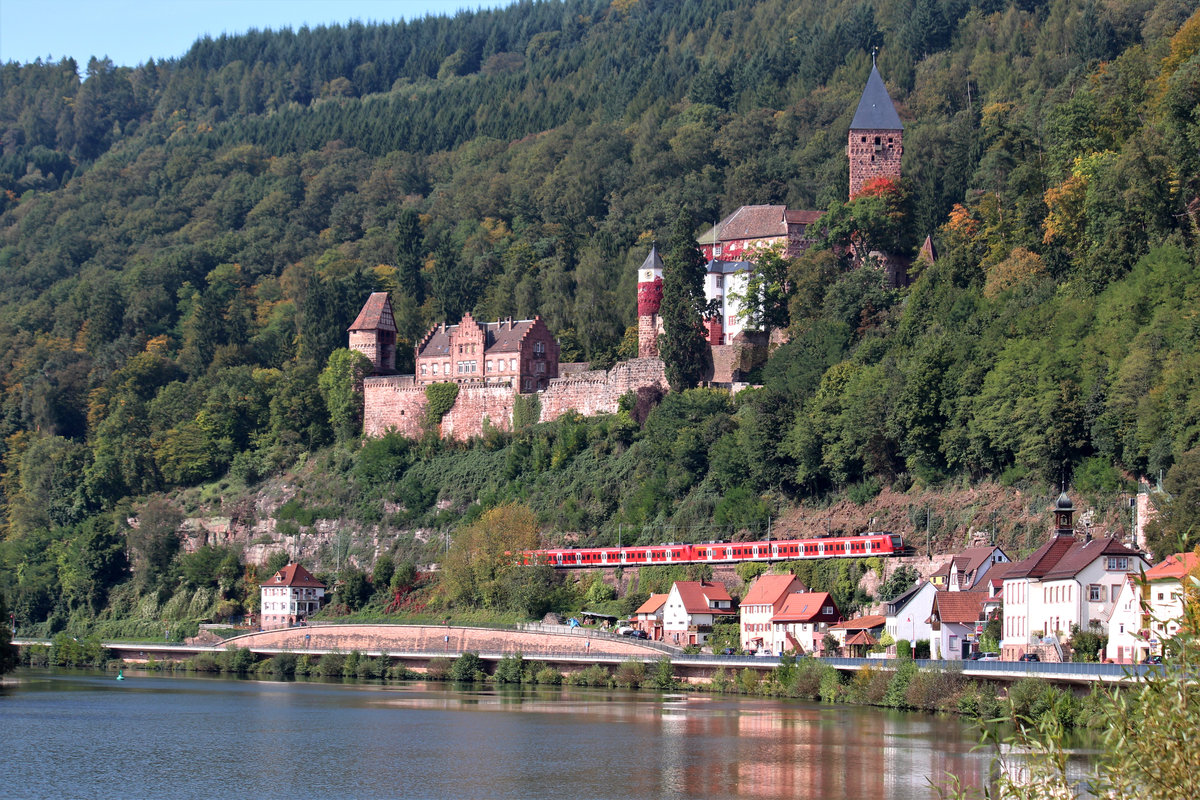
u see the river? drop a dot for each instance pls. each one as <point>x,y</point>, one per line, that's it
<point>86,735</point>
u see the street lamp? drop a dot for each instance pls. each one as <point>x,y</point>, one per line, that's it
<point>912,641</point>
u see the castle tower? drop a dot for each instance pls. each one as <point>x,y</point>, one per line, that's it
<point>373,332</point>
<point>876,140</point>
<point>649,295</point>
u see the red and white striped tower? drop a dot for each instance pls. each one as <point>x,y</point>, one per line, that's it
<point>649,295</point>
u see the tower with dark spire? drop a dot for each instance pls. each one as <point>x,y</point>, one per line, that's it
<point>876,140</point>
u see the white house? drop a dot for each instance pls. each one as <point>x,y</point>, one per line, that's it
<point>691,609</point>
<point>956,619</point>
<point>1065,582</point>
<point>908,614</point>
<point>969,568</point>
<point>288,597</point>
<point>802,622</point>
<point>1146,615</point>
<point>764,600</point>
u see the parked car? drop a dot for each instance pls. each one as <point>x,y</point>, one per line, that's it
<point>729,651</point>
<point>1152,660</point>
<point>636,633</point>
<point>973,656</point>
<point>988,657</point>
<point>1030,657</point>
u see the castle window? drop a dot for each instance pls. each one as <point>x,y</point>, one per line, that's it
<point>488,366</point>
<point>513,366</point>
<point>719,281</point>
<point>864,140</point>
<point>539,348</point>
<point>446,367</point>
<point>878,141</point>
<point>435,366</point>
<point>423,369</point>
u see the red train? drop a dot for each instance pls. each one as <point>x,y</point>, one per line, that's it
<point>861,546</point>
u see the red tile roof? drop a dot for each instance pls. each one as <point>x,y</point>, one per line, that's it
<point>754,222</point>
<point>959,606</point>
<point>1173,567</point>
<point>652,605</point>
<point>376,314</point>
<point>294,575</point>
<point>770,589</point>
<point>861,638</point>
<point>697,596</point>
<point>802,217</point>
<point>869,622</point>
<point>1082,554</point>
<point>806,607</point>
<point>1044,559</point>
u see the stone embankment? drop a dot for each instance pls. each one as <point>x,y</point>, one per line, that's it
<point>434,639</point>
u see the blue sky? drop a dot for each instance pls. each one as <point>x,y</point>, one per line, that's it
<point>132,31</point>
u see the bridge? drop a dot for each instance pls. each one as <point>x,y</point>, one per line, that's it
<point>567,649</point>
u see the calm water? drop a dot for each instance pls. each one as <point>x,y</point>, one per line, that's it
<point>85,735</point>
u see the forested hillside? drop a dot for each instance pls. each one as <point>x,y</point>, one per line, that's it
<point>184,243</point>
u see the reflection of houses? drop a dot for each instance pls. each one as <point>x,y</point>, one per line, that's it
<point>803,621</point>
<point>289,596</point>
<point>649,616</point>
<point>856,636</point>
<point>908,614</point>
<point>763,600</point>
<point>1143,616</point>
<point>1065,582</point>
<point>691,608</point>
<point>956,619</point>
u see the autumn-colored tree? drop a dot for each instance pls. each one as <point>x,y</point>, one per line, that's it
<point>484,554</point>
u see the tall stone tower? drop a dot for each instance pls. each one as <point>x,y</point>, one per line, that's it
<point>374,333</point>
<point>876,136</point>
<point>649,296</point>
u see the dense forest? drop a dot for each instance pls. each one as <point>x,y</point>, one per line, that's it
<point>184,243</point>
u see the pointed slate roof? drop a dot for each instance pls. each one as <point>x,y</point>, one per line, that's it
<point>653,261</point>
<point>875,110</point>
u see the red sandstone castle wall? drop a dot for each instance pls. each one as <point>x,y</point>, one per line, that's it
<point>393,402</point>
<point>475,402</point>
<point>869,161</point>
<point>598,392</point>
<point>397,402</point>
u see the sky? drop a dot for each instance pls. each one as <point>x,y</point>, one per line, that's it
<point>130,32</point>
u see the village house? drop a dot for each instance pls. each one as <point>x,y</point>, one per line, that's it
<point>649,616</point>
<point>956,619</point>
<point>691,608</point>
<point>855,637</point>
<point>288,597</point>
<point>1066,582</point>
<point>968,569</point>
<point>764,599</point>
<point>1146,614</point>
<point>908,614</point>
<point>802,623</point>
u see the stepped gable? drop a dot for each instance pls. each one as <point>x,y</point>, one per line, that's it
<point>1083,553</point>
<point>376,315</point>
<point>876,112</point>
<point>436,341</point>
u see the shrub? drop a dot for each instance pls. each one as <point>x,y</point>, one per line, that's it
<point>438,669</point>
<point>595,675</point>
<point>832,688</point>
<point>238,660</point>
<point>896,695</point>
<point>440,397</point>
<point>630,674</point>
<point>510,669</point>
<point>720,681</point>
<point>864,492</point>
<point>331,665</point>
<point>283,665</point>
<point>467,668</point>
<point>664,674</point>
<point>549,676</point>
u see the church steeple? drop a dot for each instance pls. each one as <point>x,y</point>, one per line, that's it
<point>876,140</point>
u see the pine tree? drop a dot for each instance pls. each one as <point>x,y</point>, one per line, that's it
<point>683,347</point>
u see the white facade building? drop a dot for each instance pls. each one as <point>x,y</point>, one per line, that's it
<point>289,597</point>
<point>908,615</point>
<point>691,609</point>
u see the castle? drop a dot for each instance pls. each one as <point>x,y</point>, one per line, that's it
<point>495,362</point>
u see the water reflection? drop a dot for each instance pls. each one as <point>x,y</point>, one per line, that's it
<point>85,735</point>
